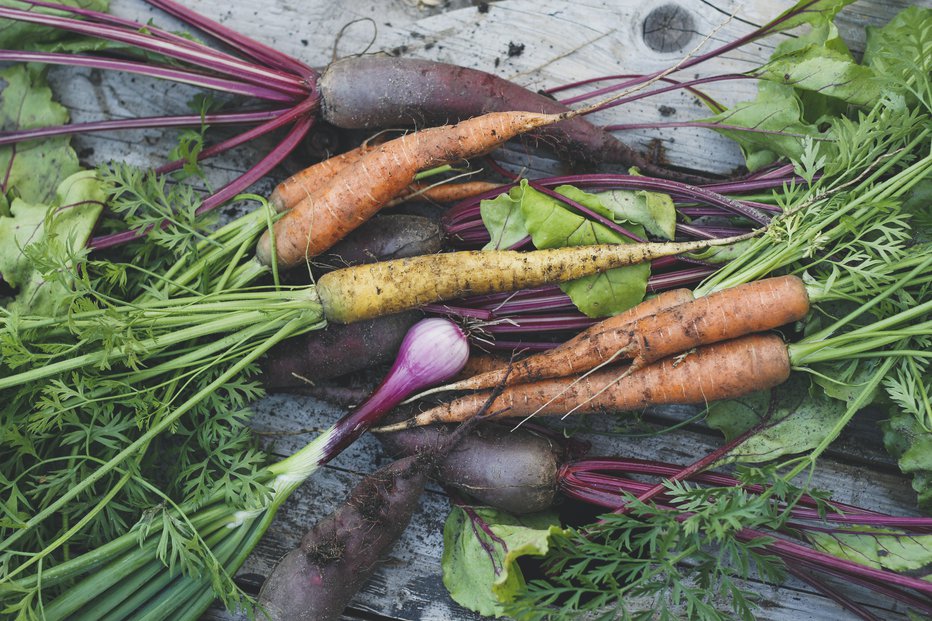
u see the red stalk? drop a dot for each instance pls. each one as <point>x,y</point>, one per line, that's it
<point>259,51</point>
<point>270,78</point>
<point>266,164</point>
<point>195,78</point>
<point>187,120</point>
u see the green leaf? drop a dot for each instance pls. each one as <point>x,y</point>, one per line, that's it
<point>776,108</point>
<point>911,446</point>
<point>800,419</point>
<point>878,548</point>
<point>826,71</point>
<point>901,52</point>
<point>21,35</point>
<point>503,219</point>
<point>37,240</point>
<point>655,211</point>
<point>481,575</point>
<point>552,224</point>
<point>34,168</point>
<point>808,12</point>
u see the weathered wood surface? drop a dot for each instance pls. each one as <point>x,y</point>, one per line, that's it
<point>562,42</point>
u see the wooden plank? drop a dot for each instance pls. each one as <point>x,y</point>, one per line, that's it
<point>408,586</point>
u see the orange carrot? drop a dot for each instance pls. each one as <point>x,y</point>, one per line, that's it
<point>361,189</point>
<point>306,182</point>
<point>445,192</point>
<point>658,328</point>
<point>480,362</point>
<point>720,371</point>
<point>756,306</point>
<point>575,355</point>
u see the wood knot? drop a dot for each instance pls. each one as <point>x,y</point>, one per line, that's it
<point>668,28</point>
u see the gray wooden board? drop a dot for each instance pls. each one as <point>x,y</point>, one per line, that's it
<point>563,42</point>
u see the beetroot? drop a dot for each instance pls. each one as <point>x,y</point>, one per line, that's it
<point>376,91</point>
<point>515,471</point>
<point>335,351</point>
<point>316,581</point>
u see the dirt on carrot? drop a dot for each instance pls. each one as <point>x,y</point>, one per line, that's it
<point>366,291</point>
<point>668,324</point>
<point>719,371</point>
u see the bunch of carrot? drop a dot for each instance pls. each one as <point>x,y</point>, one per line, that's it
<point>681,350</point>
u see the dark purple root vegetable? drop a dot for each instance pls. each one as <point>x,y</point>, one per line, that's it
<point>514,471</point>
<point>316,581</point>
<point>335,351</point>
<point>383,238</point>
<point>378,91</point>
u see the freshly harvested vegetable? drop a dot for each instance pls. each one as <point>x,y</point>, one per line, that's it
<point>515,472</point>
<point>374,91</point>
<point>564,359</point>
<point>861,177</point>
<point>317,580</point>
<point>671,323</point>
<point>813,535</point>
<point>724,370</point>
<point>308,181</point>
<point>293,91</point>
<point>770,521</point>
<point>361,189</point>
<point>336,350</point>
<point>216,534</point>
<point>366,291</point>
<point>719,371</point>
<point>383,238</point>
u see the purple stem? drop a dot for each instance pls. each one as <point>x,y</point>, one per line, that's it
<point>262,168</point>
<point>528,346</point>
<point>552,302</point>
<point>270,78</point>
<point>778,172</point>
<point>710,195</point>
<point>107,18</point>
<point>666,89</point>
<point>708,232</point>
<point>190,120</point>
<point>595,216</point>
<point>894,594</point>
<point>679,278</point>
<point>775,132</point>
<point>163,73</point>
<point>278,121</point>
<point>459,311</point>
<point>259,51</point>
<point>266,164</point>
<point>583,97</point>
<point>541,323</point>
<point>792,552</point>
<point>674,188</point>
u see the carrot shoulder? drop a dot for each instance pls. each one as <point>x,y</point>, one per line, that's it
<point>720,371</point>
